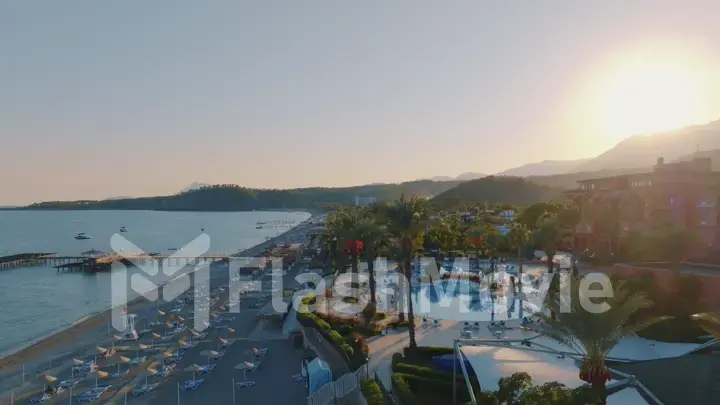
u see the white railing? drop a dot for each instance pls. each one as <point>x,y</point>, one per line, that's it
<point>340,388</point>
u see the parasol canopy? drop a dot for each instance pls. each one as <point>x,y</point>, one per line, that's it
<point>209,353</point>
<point>156,336</point>
<point>102,374</point>
<point>78,362</point>
<point>229,329</point>
<point>101,349</point>
<point>122,359</point>
<point>246,365</point>
<point>161,313</point>
<point>49,379</point>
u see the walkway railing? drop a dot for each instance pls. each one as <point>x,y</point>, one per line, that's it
<point>340,388</point>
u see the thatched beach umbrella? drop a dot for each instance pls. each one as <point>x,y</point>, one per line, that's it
<point>245,366</point>
<point>100,374</point>
<point>210,354</point>
<point>194,369</point>
<point>122,360</point>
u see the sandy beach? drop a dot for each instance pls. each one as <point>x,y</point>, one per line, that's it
<point>19,371</point>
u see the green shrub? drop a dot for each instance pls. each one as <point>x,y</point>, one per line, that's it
<point>322,324</point>
<point>396,358</point>
<point>344,329</point>
<point>350,300</point>
<point>347,349</point>
<point>422,386</point>
<point>402,388</point>
<point>421,371</point>
<point>379,316</point>
<point>428,352</point>
<point>336,337</point>
<point>398,324</point>
<point>372,392</point>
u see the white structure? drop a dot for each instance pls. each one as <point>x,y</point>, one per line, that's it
<point>360,201</point>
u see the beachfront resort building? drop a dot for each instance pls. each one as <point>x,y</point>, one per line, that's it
<point>684,194</point>
<point>362,201</point>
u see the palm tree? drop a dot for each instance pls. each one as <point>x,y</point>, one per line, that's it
<point>519,237</point>
<point>591,335</point>
<point>405,219</point>
<point>373,236</point>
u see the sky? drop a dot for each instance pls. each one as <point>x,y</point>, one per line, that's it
<point>138,98</point>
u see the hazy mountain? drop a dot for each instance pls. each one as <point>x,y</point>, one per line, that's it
<point>544,168</point>
<point>513,190</point>
<point>117,198</point>
<point>194,186</point>
<point>460,177</point>
<point>469,176</point>
<point>644,150</point>
<point>440,178</point>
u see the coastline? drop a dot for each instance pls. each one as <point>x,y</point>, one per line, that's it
<point>86,332</point>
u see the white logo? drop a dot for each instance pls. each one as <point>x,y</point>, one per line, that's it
<point>178,281</point>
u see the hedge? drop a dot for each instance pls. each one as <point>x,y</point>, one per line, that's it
<point>372,392</point>
<point>420,386</point>
<point>428,352</point>
<point>402,389</point>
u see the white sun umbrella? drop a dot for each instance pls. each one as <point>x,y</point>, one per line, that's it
<point>194,369</point>
<point>49,379</point>
<point>244,366</point>
<point>150,372</point>
<point>122,360</point>
<point>75,362</point>
<point>168,325</point>
<point>229,330</point>
<point>209,354</point>
<point>116,338</point>
<point>182,343</point>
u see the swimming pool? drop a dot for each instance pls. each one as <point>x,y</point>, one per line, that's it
<point>463,300</point>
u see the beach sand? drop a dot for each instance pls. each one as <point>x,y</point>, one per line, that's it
<point>57,351</point>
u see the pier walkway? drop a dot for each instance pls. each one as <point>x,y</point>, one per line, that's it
<point>92,264</point>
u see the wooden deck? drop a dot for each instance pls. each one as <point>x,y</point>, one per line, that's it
<point>94,264</point>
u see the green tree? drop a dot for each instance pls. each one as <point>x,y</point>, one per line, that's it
<point>592,335</point>
<point>406,224</point>
<point>373,236</point>
<point>519,238</point>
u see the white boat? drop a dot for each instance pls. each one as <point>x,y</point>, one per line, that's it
<point>82,236</point>
<point>123,229</point>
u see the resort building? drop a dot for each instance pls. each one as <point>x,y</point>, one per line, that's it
<point>684,194</point>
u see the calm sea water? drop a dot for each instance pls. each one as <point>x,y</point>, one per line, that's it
<point>34,302</point>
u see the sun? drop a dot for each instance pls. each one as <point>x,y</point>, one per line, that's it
<point>649,96</point>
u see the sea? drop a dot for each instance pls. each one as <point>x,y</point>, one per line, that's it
<point>36,302</point>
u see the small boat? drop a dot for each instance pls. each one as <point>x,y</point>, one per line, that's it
<point>261,222</point>
<point>123,229</point>
<point>82,236</point>
<point>258,227</point>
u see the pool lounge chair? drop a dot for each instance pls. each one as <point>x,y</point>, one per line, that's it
<point>218,356</point>
<point>244,384</point>
<point>68,383</point>
<point>191,384</point>
<point>260,352</point>
<point>138,360</point>
<point>207,369</point>
<point>226,345</point>
<point>119,374</point>
<point>144,389</point>
<point>41,399</point>
<point>254,367</point>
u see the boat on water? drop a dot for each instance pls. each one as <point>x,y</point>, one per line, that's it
<point>82,236</point>
<point>123,229</point>
<point>261,222</point>
<point>258,227</point>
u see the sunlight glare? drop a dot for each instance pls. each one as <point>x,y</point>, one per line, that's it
<point>645,98</point>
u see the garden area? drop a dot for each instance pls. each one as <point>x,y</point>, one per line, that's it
<point>416,381</point>
<point>346,334</point>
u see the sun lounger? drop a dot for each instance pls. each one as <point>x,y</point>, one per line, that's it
<point>207,369</point>
<point>254,366</point>
<point>191,384</point>
<point>68,383</point>
<point>226,345</point>
<point>41,399</point>
<point>138,360</point>
<point>244,384</point>
<point>260,352</point>
<point>119,374</point>
<point>144,389</point>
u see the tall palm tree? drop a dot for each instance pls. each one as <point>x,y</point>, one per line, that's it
<point>406,225</point>
<point>591,335</point>
<point>519,238</point>
<point>373,236</point>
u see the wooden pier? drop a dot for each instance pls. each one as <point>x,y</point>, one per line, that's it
<point>23,260</point>
<point>86,264</point>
